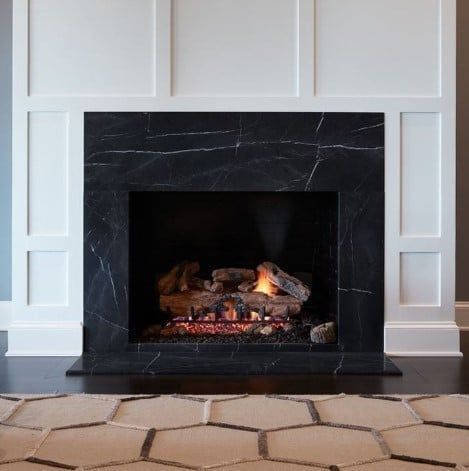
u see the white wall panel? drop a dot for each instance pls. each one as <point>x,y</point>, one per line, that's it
<point>234,47</point>
<point>47,278</point>
<point>47,173</point>
<point>92,47</point>
<point>377,47</point>
<point>420,174</point>
<point>420,279</point>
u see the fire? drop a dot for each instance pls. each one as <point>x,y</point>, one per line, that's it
<point>263,285</point>
<point>213,327</point>
<point>230,313</point>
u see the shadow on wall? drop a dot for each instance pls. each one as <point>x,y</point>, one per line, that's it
<point>462,215</point>
<point>5,148</point>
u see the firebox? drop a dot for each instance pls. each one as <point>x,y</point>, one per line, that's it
<point>227,267</point>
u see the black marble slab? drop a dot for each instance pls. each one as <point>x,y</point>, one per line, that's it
<point>231,151</point>
<point>233,363</point>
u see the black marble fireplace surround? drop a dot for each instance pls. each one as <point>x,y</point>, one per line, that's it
<point>234,152</point>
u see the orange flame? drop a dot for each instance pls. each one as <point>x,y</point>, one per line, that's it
<point>230,313</point>
<point>263,285</point>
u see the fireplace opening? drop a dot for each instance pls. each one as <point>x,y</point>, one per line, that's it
<point>233,267</point>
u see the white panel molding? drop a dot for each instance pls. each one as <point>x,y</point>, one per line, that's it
<point>306,48</point>
<point>94,47</point>
<point>372,48</point>
<point>420,274</point>
<point>5,315</point>
<point>448,160</point>
<point>462,315</point>
<point>48,278</point>
<point>222,48</point>
<point>238,103</point>
<point>429,339</point>
<point>48,155</point>
<point>45,339</point>
<point>75,239</point>
<point>163,49</point>
<point>20,49</point>
<point>392,214</point>
<point>448,50</point>
<point>421,169</point>
<point>411,330</point>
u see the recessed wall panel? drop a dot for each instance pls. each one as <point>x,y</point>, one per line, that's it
<point>47,278</point>
<point>377,47</point>
<point>420,174</point>
<point>234,47</point>
<point>47,173</point>
<point>92,47</point>
<point>420,279</point>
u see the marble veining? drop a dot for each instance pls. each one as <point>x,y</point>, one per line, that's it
<point>234,151</point>
<point>231,151</point>
<point>234,363</point>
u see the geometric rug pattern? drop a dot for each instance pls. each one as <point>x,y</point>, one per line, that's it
<point>234,433</point>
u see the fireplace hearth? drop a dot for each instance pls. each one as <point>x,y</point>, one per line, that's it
<point>225,242</point>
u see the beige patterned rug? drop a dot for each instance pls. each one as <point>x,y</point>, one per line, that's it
<point>234,433</point>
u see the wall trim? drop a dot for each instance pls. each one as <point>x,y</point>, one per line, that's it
<point>5,314</point>
<point>462,315</point>
<point>45,339</point>
<point>429,339</point>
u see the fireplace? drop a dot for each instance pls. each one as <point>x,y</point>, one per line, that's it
<point>221,267</point>
<point>231,233</point>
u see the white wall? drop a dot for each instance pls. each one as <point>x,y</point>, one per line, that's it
<point>391,56</point>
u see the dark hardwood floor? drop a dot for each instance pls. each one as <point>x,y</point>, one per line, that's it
<point>420,375</point>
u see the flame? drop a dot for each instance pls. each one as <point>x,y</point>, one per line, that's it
<point>263,285</point>
<point>230,312</point>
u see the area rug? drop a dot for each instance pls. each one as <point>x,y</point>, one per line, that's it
<point>234,433</point>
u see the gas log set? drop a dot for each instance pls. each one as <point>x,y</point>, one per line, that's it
<point>236,304</point>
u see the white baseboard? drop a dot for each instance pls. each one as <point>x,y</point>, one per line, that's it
<point>45,339</point>
<point>462,315</point>
<point>429,339</point>
<point>5,315</point>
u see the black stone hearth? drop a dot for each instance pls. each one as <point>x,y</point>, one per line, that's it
<point>234,363</point>
<point>234,152</point>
